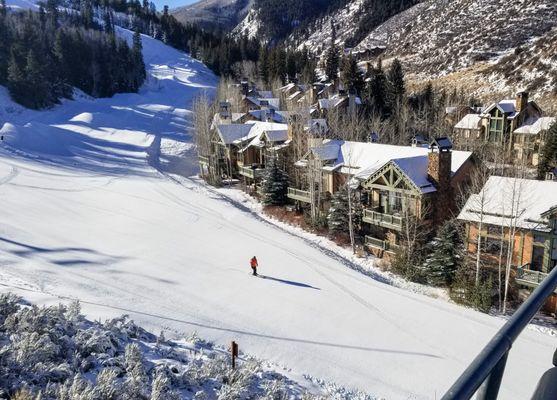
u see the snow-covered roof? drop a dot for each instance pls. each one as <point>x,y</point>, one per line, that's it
<point>531,199</point>
<point>272,131</point>
<point>239,133</point>
<point>276,136</point>
<point>364,159</point>
<point>536,125</point>
<point>229,133</point>
<point>507,106</point>
<point>263,114</point>
<point>272,102</point>
<point>415,168</point>
<point>469,121</point>
<point>265,94</point>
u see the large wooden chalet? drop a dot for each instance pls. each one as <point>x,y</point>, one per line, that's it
<point>393,181</point>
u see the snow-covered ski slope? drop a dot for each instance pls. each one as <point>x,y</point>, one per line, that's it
<point>85,214</point>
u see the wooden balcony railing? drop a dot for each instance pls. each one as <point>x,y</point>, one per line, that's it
<point>528,277</point>
<point>250,172</point>
<point>381,244</point>
<point>383,220</point>
<point>300,195</point>
<point>203,159</point>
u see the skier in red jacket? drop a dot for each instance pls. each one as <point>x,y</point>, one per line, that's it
<point>254,265</point>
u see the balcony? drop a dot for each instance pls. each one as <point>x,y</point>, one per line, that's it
<point>250,172</point>
<point>203,159</point>
<point>528,277</point>
<point>300,195</point>
<point>383,220</point>
<point>381,244</point>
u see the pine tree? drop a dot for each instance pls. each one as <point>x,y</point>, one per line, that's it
<point>263,65</point>
<point>351,75</point>
<point>445,257</point>
<point>16,79</point>
<point>548,158</point>
<point>337,218</point>
<point>3,8</point>
<point>137,51</point>
<point>396,80</point>
<point>377,91</point>
<point>332,57</point>
<point>136,383</point>
<point>161,389</point>
<point>275,185</point>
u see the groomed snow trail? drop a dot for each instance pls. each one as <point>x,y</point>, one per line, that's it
<point>84,214</point>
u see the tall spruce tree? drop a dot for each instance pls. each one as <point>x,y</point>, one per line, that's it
<point>263,65</point>
<point>337,219</point>
<point>548,158</point>
<point>377,91</point>
<point>3,8</point>
<point>397,87</point>
<point>351,75</point>
<point>446,255</point>
<point>275,185</point>
<point>332,57</point>
<point>137,51</point>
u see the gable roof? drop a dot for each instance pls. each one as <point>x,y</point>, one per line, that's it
<point>536,125</point>
<point>363,159</point>
<point>507,107</point>
<point>469,121</point>
<point>532,200</point>
<point>229,133</point>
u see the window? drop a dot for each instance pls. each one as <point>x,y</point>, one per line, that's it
<point>539,239</point>
<point>537,258</point>
<point>494,230</point>
<point>493,246</point>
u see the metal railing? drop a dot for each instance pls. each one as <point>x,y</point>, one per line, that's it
<point>300,195</point>
<point>381,219</point>
<point>486,371</point>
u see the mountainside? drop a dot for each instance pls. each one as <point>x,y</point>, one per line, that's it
<point>210,14</point>
<point>507,44</point>
<point>489,48</point>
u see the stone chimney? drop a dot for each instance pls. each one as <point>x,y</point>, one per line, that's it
<point>439,173</point>
<point>270,114</point>
<point>521,101</point>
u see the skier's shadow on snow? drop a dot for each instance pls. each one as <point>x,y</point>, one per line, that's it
<point>292,283</point>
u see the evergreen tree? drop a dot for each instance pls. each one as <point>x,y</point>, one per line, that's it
<point>137,54</point>
<point>275,185</point>
<point>3,8</point>
<point>548,158</point>
<point>377,89</point>
<point>263,65</point>
<point>396,80</point>
<point>16,79</point>
<point>136,383</point>
<point>351,75</point>
<point>338,217</point>
<point>332,57</point>
<point>445,257</point>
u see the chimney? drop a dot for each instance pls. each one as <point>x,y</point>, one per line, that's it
<point>245,87</point>
<point>270,113</point>
<point>225,110</point>
<point>439,173</point>
<point>521,101</point>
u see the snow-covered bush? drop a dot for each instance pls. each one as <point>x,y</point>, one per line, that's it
<point>54,353</point>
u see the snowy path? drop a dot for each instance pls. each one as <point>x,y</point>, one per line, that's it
<point>83,214</point>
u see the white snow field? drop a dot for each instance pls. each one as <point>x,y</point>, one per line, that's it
<point>85,214</point>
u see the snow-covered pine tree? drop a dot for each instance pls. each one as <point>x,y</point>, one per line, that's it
<point>445,257</point>
<point>136,385</point>
<point>275,185</point>
<point>161,388</point>
<point>337,218</point>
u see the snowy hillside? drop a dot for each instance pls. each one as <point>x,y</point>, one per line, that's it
<point>211,13</point>
<point>90,211</point>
